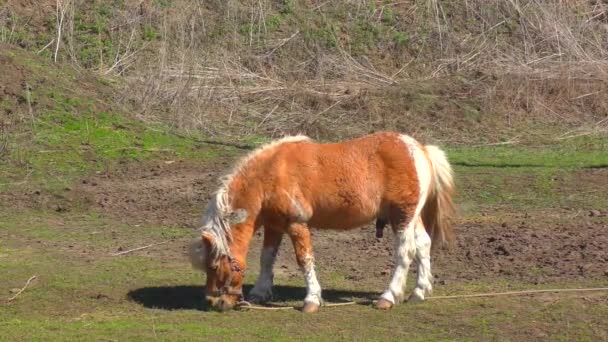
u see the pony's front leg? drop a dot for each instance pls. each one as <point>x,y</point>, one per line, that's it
<point>404,253</point>
<point>300,237</point>
<point>262,291</point>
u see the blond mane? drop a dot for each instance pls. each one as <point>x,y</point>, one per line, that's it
<point>216,218</point>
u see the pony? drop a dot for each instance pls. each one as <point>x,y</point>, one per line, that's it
<point>294,184</point>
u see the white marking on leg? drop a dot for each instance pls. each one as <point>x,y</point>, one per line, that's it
<point>405,248</point>
<point>313,288</point>
<point>423,257</point>
<point>262,290</point>
<point>422,242</point>
<point>406,242</point>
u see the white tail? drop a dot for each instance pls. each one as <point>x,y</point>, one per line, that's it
<point>439,208</point>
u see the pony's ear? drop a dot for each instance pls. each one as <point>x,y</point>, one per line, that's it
<point>198,253</point>
<point>208,240</point>
<point>237,216</point>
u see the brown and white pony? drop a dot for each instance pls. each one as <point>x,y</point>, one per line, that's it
<point>293,184</point>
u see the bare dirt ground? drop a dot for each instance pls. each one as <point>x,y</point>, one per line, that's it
<point>535,247</point>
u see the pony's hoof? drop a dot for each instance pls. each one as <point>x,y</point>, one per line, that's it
<point>259,299</point>
<point>416,297</point>
<point>310,307</point>
<point>383,304</point>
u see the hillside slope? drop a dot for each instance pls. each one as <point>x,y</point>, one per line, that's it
<point>59,126</point>
<point>460,72</point>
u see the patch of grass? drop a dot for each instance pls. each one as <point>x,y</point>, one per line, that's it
<point>532,177</point>
<point>324,35</point>
<point>93,289</point>
<point>588,151</point>
<point>422,102</point>
<point>66,145</point>
<point>364,35</point>
<point>149,33</point>
<point>401,38</point>
<point>73,130</point>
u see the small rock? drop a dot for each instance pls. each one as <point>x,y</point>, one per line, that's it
<point>100,296</point>
<point>504,225</point>
<point>539,280</point>
<point>502,250</point>
<point>442,282</point>
<point>594,212</point>
<point>15,290</point>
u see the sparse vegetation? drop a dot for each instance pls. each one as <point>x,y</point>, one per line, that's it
<point>274,65</point>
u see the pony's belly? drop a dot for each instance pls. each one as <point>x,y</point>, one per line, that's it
<point>340,219</point>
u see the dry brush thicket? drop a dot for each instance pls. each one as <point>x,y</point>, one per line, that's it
<point>462,71</point>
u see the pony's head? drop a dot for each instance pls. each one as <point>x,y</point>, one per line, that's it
<point>225,276</point>
<point>210,253</point>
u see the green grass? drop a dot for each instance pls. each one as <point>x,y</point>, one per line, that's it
<point>66,145</point>
<point>85,296</point>
<point>589,151</point>
<point>73,133</point>
<point>83,293</point>
<point>531,177</point>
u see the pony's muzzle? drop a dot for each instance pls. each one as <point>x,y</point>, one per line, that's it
<point>211,302</point>
<point>222,303</point>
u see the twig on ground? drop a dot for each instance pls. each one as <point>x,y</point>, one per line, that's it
<point>23,288</point>
<point>46,46</point>
<point>510,142</point>
<point>283,42</point>
<point>140,248</point>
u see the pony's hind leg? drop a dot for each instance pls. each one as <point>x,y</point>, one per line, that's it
<point>300,237</point>
<point>423,258</point>
<point>262,290</point>
<point>405,249</point>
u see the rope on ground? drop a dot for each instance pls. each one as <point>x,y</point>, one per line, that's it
<point>523,292</point>
<point>244,305</point>
<point>140,248</point>
<point>22,289</point>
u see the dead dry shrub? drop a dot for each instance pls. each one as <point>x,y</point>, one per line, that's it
<point>333,69</point>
